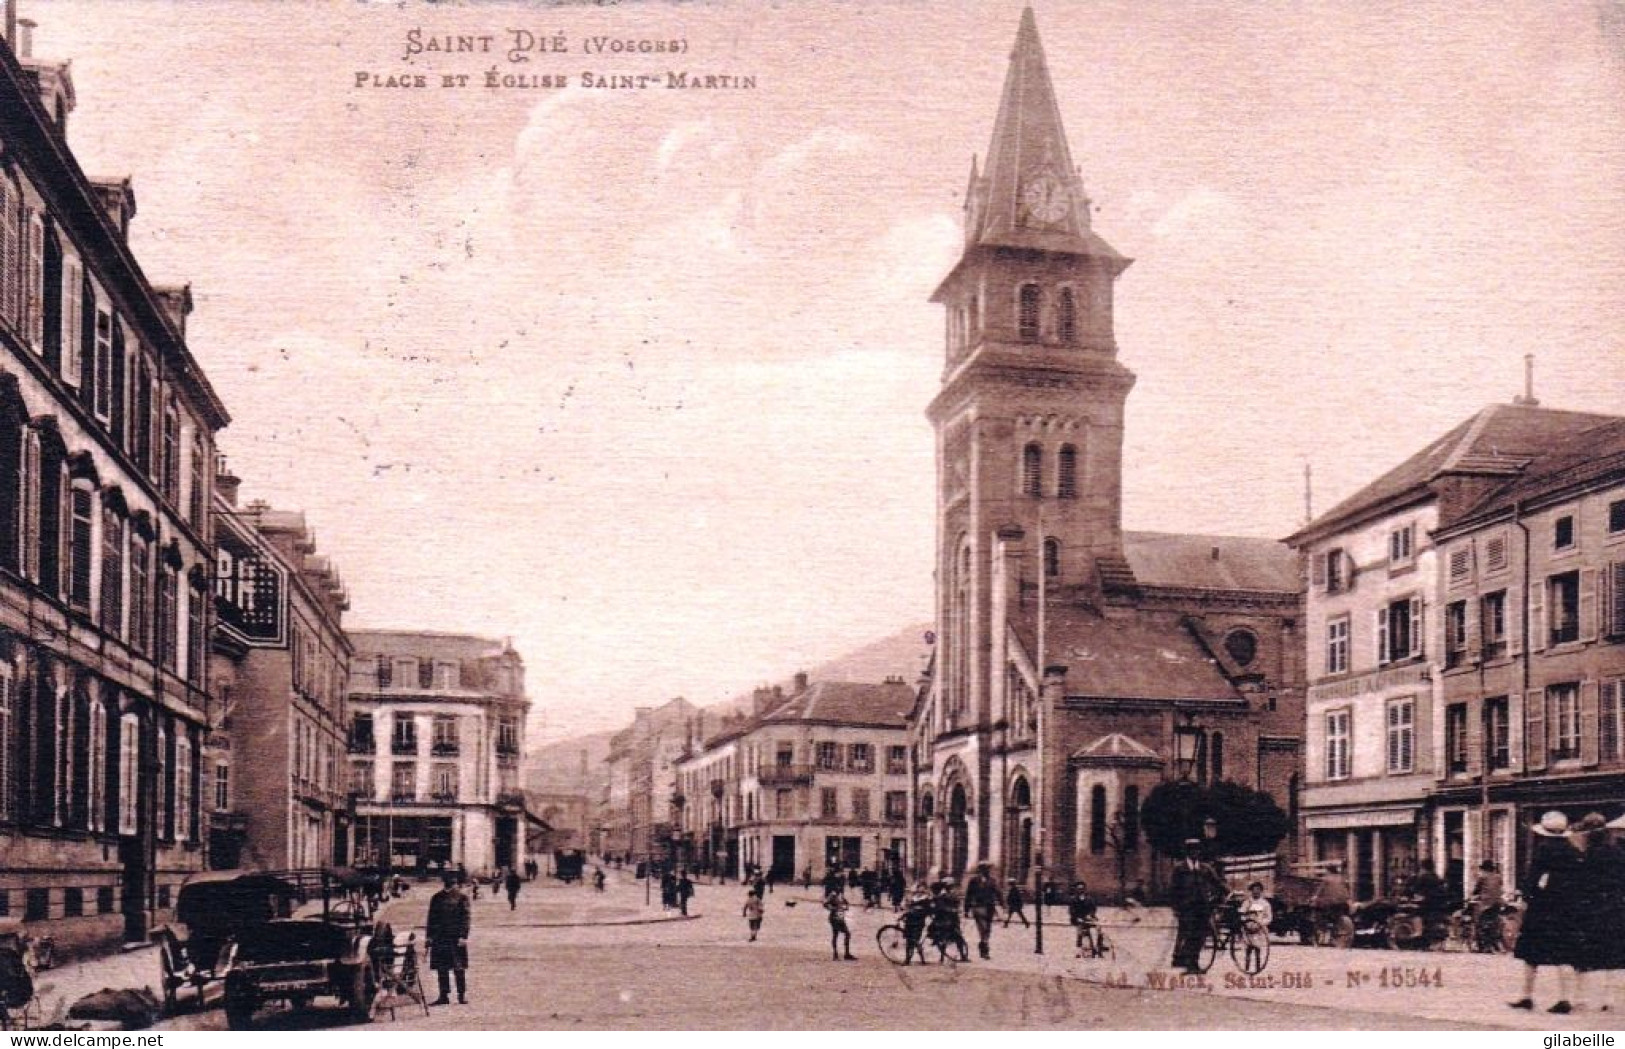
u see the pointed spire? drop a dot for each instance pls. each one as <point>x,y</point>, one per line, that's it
<point>1030,193</point>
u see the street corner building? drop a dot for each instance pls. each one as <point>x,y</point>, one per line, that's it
<point>1464,615</point>
<point>275,773</point>
<point>809,781</point>
<point>107,446</point>
<point>1076,665</point>
<point>437,725</point>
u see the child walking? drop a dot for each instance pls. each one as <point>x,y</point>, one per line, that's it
<point>753,913</point>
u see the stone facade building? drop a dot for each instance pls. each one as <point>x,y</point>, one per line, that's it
<point>1532,684</point>
<point>1077,665</point>
<point>437,729</point>
<point>637,817</point>
<point>815,780</point>
<point>281,666</point>
<point>1374,630</point>
<point>107,431</point>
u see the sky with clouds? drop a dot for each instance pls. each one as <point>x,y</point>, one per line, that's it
<point>638,377</point>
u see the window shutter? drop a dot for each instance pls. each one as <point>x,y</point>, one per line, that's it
<point>1608,721</point>
<point>1588,723</point>
<point>1349,569</point>
<point>1515,732</point>
<point>1422,739</point>
<point>1534,718</point>
<point>87,346</point>
<point>1512,613</point>
<point>1317,570</point>
<point>1616,599</point>
<point>1472,632</point>
<point>1476,739</point>
<point>34,292</point>
<point>9,257</point>
<point>1589,604</point>
<point>1537,617</point>
<point>1382,635</point>
<point>1418,627</point>
<point>73,290</point>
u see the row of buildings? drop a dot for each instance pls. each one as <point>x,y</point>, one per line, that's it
<point>1414,676</point>
<point>177,687</point>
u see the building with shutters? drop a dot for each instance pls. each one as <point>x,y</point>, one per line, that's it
<point>107,431</point>
<point>275,774</point>
<point>1532,591</point>
<point>1077,665</point>
<point>437,730</point>
<point>813,780</point>
<point>1381,670</point>
<point>637,817</point>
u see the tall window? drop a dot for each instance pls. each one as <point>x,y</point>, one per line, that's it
<point>1215,748</point>
<point>404,781</point>
<point>172,454</point>
<point>782,804</point>
<point>183,786</point>
<point>1337,646</point>
<point>384,671</point>
<point>405,739</point>
<point>860,805</point>
<point>444,781</point>
<point>1097,818</point>
<point>112,572</point>
<point>196,633</point>
<point>829,806</point>
<point>1455,633</point>
<point>222,787</point>
<point>828,756</point>
<point>1131,817</point>
<point>140,635</point>
<point>1563,599</point>
<point>34,283</point>
<point>1493,623</point>
<point>1052,557</point>
<point>1610,700</point>
<point>361,780</point>
<point>1067,316</point>
<point>166,618</point>
<point>81,502</point>
<point>1455,737</point>
<point>445,734</point>
<point>10,247</point>
<point>164,798</point>
<point>1031,305</point>
<point>1402,545</point>
<point>1563,532</point>
<point>198,501</point>
<point>129,765</point>
<point>1032,470</point>
<point>73,321</point>
<point>1399,630</point>
<point>104,365</point>
<point>1334,570</point>
<point>33,486</point>
<point>141,410</point>
<point>1066,481</point>
<point>896,760</point>
<point>860,757</point>
<point>1337,744</point>
<point>65,755</point>
<point>1401,735</point>
<point>1563,717</point>
<point>97,766</point>
<point>1498,732</point>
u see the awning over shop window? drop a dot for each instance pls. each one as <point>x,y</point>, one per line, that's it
<point>1400,817</point>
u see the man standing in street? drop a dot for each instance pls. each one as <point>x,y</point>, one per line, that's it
<point>685,892</point>
<point>447,933</point>
<point>981,903</point>
<point>1193,891</point>
<point>512,885</point>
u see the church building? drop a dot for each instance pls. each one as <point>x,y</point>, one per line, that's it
<point>1077,665</point>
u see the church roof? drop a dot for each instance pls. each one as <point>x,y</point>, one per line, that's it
<point>1029,145</point>
<point>1114,748</point>
<point>1134,655</point>
<point>847,703</point>
<point>1211,562</point>
<point>1497,441</point>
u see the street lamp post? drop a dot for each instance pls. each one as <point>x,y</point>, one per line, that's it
<point>1038,867</point>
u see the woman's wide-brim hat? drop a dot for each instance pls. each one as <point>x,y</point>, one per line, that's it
<point>1552,825</point>
<point>1589,822</point>
<point>1617,824</point>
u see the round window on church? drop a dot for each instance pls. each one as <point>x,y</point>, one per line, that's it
<point>1242,646</point>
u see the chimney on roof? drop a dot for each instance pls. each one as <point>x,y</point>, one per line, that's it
<point>176,300</point>
<point>53,80</point>
<point>225,482</point>
<point>1527,399</point>
<point>117,198</point>
<point>801,681</point>
<point>759,701</point>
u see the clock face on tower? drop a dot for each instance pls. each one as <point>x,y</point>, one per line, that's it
<point>1045,199</point>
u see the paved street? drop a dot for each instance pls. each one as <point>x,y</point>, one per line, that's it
<point>568,957</point>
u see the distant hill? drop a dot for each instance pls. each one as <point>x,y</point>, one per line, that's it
<point>556,767</point>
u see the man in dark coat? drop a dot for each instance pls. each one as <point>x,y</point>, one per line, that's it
<point>447,933</point>
<point>981,903</point>
<point>685,892</point>
<point>1193,891</point>
<point>512,884</point>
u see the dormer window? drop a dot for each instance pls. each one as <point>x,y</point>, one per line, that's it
<point>1031,306</point>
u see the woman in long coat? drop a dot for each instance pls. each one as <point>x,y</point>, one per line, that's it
<point>1551,934</point>
<point>1602,906</point>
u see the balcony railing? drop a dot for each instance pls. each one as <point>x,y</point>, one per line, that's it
<point>363,746</point>
<point>403,797</point>
<point>445,750</point>
<point>784,775</point>
<point>444,796</point>
<point>403,746</point>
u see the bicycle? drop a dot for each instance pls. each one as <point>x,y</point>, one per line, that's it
<point>1094,943</point>
<point>893,944</point>
<point>1245,939</point>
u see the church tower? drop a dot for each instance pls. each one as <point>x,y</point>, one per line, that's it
<point>1029,419</point>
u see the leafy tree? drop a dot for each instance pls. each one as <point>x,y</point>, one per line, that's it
<point>1249,821</point>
